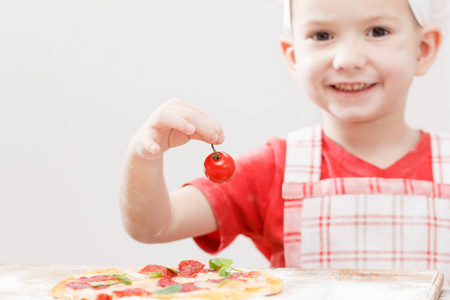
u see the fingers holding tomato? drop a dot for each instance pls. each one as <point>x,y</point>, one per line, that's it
<point>174,124</point>
<point>219,167</point>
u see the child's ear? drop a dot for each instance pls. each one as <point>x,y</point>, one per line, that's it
<point>288,52</point>
<point>431,39</point>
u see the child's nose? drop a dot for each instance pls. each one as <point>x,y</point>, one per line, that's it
<point>348,57</point>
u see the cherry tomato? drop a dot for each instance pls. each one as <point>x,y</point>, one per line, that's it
<point>219,167</point>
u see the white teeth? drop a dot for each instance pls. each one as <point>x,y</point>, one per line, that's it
<point>352,87</point>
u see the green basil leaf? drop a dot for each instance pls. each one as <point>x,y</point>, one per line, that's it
<point>212,265</point>
<point>121,278</point>
<point>127,282</point>
<point>223,282</point>
<point>223,262</point>
<point>225,271</point>
<point>155,274</point>
<point>169,290</point>
<point>216,263</point>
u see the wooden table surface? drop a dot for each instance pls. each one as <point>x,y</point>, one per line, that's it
<point>34,281</point>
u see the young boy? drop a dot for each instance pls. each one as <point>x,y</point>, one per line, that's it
<point>360,190</point>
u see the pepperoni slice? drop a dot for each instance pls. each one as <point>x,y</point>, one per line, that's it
<point>236,276</point>
<point>103,297</point>
<point>165,282</point>
<point>77,285</point>
<point>233,276</point>
<point>84,282</point>
<point>97,278</point>
<point>131,292</point>
<point>216,280</point>
<point>251,274</point>
<point>165,272</point>
<point>190,268</point>
<point>205,271</point>
<point>189,287</point>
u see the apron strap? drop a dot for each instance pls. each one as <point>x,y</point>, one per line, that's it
<point>304,155</point>
<point>440,157</point>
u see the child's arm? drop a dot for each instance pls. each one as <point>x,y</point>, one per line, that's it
<point>149,212</point>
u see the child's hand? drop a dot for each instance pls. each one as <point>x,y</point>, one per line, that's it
<point>174,124</point>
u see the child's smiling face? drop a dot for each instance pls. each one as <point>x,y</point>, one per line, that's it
<point>356,59</point>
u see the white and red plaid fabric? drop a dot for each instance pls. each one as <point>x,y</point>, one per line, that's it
<point>371,223</point>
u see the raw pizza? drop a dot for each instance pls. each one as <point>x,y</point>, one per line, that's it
<point>191,280</point>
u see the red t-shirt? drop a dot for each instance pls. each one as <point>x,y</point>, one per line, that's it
<point>251,203</point>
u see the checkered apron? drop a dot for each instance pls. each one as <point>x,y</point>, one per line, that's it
<point>370,223</point>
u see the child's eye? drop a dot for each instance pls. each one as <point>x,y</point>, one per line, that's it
<point>321,36</point>
<point>378,31</point>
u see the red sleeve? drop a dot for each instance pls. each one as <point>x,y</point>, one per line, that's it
<point>241,206</point>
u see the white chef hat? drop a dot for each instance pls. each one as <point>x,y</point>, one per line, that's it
<point>430,11</point>
<point>426,12</point>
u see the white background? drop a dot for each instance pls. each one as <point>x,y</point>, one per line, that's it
<point>78,78</point>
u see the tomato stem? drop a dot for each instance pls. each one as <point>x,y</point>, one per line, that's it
<point>216,155</point>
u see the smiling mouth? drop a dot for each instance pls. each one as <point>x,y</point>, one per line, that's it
<point>356,87</point>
